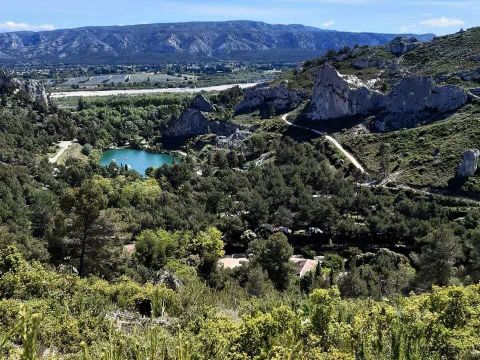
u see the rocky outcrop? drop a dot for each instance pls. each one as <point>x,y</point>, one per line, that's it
<point>470,75</point>
<point>194,123</point>
<point>418,100</point>
<point>419,94</point>
<point>202,104</point>
<point>339,96</point>
<point>33,91</point>
<point>234,141</point>
<point>469,163</point>
<point>169,279</point>
<point>401,45</point>
<point>36,93</point>
<point>269,100</point>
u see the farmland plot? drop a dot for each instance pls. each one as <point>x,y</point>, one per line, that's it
<point>130,79</point>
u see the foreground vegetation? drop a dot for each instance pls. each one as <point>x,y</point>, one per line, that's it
<point>56,313</point>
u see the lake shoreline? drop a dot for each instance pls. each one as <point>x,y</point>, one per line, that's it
<point>136,159</point>
<point>147,148</point>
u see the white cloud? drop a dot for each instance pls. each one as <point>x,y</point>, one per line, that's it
<point>328,24</point>
<point>17,26</point>
<point>442,22</point>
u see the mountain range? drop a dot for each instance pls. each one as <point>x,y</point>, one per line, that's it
<point>155,43</point>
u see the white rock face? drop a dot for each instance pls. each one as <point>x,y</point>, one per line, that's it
<point>469,164</point>
<point>418,94</point>
<point>338,96</point>
<point>402,45</point>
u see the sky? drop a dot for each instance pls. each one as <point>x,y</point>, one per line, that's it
<point>387,16</point>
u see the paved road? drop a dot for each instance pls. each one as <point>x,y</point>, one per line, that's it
<point>64,145</point>
<point>331,140</point>
<point>88,93</point>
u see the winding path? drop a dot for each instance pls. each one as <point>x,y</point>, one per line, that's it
<point>64,145</point>
<point>384,182</point>
<point>331,140</point>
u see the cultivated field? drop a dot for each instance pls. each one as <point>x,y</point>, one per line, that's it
<point>125,79</point>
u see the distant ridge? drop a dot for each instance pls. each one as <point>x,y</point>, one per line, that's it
<point>155,43</point>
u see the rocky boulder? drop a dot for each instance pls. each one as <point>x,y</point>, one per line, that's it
<point>469,163</point>
<point>269,100</point>
<point>169,279</point>
<point>194,123</point>
<point>202,104</point>
<point>401,45</point>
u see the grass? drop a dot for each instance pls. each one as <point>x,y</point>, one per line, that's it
<point>446,54</point>
<point>73,152</point>
<point>411,151</point>
<point>125,80</point>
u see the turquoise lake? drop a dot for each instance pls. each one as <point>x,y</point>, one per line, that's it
<point>138,160</point>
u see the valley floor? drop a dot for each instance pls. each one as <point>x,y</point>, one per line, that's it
<point>85,93</point>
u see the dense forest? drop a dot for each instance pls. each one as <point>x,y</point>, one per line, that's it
<point>70,288</point>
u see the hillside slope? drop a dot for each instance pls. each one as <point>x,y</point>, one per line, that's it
<point>429,154</point>
<point>452,59</point>
<point>158,42</point>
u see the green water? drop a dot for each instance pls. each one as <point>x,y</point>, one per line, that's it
<point>138,160</point>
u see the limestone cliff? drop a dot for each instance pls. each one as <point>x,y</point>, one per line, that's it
<point>469,163</point>
<point>269,100</point>
<point>337,96</point>
<point>413,98</point>
<point>194,123</point>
